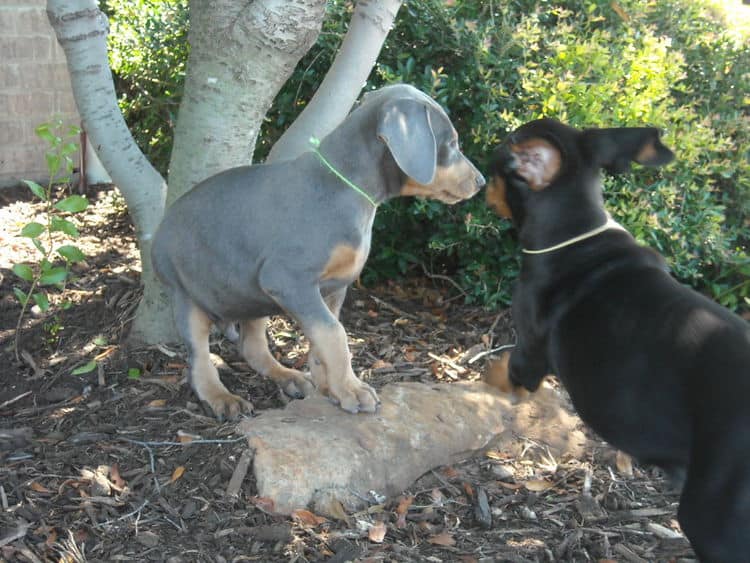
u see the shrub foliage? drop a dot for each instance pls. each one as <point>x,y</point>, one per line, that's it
<point>674,64</point>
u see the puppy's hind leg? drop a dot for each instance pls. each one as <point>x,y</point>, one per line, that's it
<point>254,348</point>
<point>194,326</point>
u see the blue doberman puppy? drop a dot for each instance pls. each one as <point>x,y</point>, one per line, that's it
<point>658,370</point>
<point>289,237</point>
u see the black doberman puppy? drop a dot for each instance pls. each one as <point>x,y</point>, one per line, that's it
<point>658,370</point>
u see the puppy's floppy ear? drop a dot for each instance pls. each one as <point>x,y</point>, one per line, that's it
<point>615,148</point>
<point>406,130</point>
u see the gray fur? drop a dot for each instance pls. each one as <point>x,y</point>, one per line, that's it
<point>253,241</point>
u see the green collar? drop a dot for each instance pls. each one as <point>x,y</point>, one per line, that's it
<point>314,144</point>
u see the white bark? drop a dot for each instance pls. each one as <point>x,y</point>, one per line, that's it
<point>371,22</point>
<point>81,30</point>
<point>241,55</point>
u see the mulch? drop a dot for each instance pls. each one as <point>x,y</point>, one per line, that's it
<point>122,463</point>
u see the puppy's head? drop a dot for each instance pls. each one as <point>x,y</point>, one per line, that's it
<point>546,163</point>
<point>424,144</point>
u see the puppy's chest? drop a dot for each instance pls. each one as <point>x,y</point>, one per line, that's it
<point>347,256</point>
<point>345,261</point>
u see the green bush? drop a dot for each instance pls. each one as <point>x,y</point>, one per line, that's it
<point>494,65</point>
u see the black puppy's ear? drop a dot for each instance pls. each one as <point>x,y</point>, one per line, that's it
<point>406,130</point>
<point>615,148</point>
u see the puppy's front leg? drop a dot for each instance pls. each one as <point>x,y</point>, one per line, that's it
<point>330,360</point>
<point>513,373</point>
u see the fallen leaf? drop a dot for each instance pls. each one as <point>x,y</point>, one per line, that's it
<point>402,509</point>
<point>115,477</point>
<point>185,437</point>
<point>445,539</point>
<point>511,486</point>
<point>450,472</point>
<point>156,403</point>
<point>307,518</point>
<point>372,314</point>
<point>381,364</point>
<point>468,489</point>
<point>177,473</point>
<point>264,503</point>
<point>376,533</point>
<point>39,488</point>
<point>437,497</point>
<point>538,485</point>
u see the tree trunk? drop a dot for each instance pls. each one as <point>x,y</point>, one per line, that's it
<point>241,55</point>
<point>370,24</point>
<point>81,30</point>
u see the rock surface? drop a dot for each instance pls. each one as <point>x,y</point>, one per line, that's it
<point>312,454</point>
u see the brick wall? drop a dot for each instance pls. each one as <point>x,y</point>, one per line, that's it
<point>34,87</point>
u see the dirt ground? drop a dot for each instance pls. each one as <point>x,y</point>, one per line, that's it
<point>122,464</point>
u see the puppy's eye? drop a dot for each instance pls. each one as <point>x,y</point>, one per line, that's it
<point>453,144</point>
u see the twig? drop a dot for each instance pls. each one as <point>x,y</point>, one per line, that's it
<point>393,308</point>
<point>16,534</point>
<point>443,278</point>
<point>13,400</point>
<point>233,489</point>
<point>450,363</point>
<point>488,352</point>
<point>124,516</point>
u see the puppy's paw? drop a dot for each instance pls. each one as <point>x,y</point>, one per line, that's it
<point>355,396</point>
<point>498,375</point>
<point>227,406</point>
<point>295,384</point>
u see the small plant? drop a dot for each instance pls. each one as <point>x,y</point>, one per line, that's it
<point>47,271</point>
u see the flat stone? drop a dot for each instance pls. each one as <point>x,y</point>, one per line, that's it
<point>311,454</point>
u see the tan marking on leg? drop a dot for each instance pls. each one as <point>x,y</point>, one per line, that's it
<point>497,375</point>
<point>204,377</point>
<point>344,263</point>
<point>334,370</point>
<point>496,197</point>
<point>254,348</point>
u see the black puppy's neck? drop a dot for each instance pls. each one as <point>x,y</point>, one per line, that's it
<point>543,227</point>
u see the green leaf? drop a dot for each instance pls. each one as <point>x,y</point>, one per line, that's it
<point>32,230</point>
<point>39,245</point>
<point>53,163</point>
<point>68,149</point>
<point>53,276</point>
<point>41,300</point>
<point>134,373</point>
<point>72,204</point>
<point>100,341</point>
<point>43,132</point>
<point>23,271</point>
<point>59,224</point>
<point>21,296</point>
<point>86,368</point>
<point>71,253</point>
<point>74,130</point>
<point>36,189</point>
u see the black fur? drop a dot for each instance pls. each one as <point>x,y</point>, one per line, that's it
<point>658,370</point>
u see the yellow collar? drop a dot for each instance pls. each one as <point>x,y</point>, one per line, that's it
<point>610,224</point>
